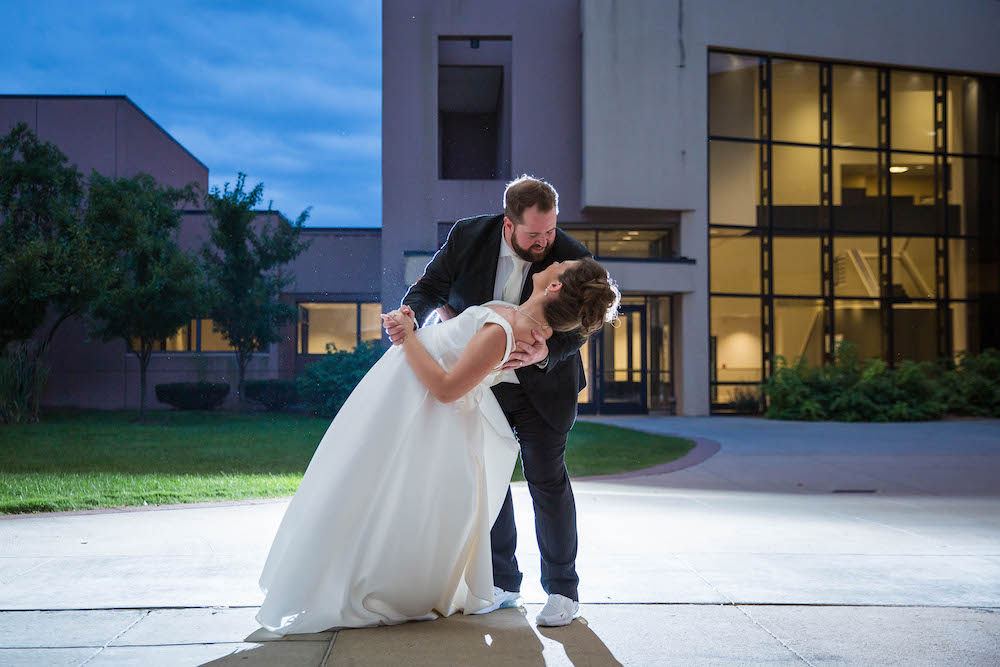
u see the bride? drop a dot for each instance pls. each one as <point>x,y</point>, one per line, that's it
<point>391,522</point>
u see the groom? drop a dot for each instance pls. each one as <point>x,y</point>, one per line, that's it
<point>493,257</point>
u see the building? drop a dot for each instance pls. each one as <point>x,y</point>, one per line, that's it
<point>336,279</point>
<point>762,179</point>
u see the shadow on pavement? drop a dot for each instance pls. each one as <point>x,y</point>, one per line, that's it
<point>505,636</point>
<point>582,645</point>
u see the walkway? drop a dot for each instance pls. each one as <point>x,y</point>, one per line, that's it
<point>793,544</point>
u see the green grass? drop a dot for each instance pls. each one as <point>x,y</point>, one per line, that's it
<point>88,459</point>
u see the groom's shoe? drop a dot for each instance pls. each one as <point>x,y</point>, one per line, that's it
<point>501,600</point>
<point>559,610</point>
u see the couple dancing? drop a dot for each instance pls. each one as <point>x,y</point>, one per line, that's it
<point>404,512</point>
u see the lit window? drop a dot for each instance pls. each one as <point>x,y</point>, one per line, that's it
<point>213,341</point>
<point>333,327</point>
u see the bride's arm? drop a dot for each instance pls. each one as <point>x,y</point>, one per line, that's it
<point>480,356</point>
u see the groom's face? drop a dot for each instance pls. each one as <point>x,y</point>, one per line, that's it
<point>532,239</point>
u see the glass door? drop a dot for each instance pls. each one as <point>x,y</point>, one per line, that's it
<point>621,358</point>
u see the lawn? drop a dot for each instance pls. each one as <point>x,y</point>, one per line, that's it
<point>87,459</point>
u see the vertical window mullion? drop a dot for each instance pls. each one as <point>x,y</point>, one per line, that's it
<point>826,207</point>
<point>943,292</point>
<point>767,235</point>
<point>885,224</point>
<point>357,324</point>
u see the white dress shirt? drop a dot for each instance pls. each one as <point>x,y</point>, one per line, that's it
<point>508,262</point>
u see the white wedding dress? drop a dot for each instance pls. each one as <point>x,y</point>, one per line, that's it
<point>392,519</point>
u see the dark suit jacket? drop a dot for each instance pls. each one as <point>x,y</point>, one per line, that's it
<point>462,274</point>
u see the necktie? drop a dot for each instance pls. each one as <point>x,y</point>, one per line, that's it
<point>512,288</point>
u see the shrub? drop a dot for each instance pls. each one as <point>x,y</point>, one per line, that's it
<point>972,385</point>
<point>849,390</point>
<point>22,380</point>
<point>747,400</point>
<point>274,395</point>
<point>325,385</point>
<point>192,395</point>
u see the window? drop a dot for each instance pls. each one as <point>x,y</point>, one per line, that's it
<point>213,341</point>
<point>197,336</point>
<point>474,108</point>
<point>334,327</point>
<point>859,202</point>
<point>626,243</point>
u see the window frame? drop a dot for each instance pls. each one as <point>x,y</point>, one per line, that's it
<point>357,320</point>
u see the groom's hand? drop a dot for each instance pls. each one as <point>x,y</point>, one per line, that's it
<point>527,353</point>
<point>398,324</point>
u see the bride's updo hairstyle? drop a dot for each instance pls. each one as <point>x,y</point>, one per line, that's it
<point>589,297</point>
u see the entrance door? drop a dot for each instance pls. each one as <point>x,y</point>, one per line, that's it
<point>621,353</point>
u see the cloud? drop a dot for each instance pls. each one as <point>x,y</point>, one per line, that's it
<point>290,94</point>
<point>350,145</point>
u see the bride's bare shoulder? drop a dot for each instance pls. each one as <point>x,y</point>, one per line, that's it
<point>502,310</point>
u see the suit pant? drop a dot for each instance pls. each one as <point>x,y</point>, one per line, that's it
<point>543,459</point>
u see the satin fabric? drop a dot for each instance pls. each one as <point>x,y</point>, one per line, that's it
<point>392,519</point>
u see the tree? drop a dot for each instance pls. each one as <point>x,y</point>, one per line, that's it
<point>244,270</point>
<point>48,257</point>
<point>155,287</point>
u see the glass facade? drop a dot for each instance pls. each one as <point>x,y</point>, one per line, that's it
<point>332,327</point>
<point>847,203</point>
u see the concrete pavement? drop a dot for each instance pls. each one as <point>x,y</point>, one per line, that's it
<point>793,543</point>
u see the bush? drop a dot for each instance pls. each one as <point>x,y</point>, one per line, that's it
<point>849,390</point>
<point>274,395</point>
<point>747,400</point>
<point>972,386</point>
<point>325,385</point>
<point>22,380</point>
<point>193,395</point>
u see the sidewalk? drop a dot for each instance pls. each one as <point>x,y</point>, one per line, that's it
<point>793,544</point>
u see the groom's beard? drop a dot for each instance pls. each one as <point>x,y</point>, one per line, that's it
<point>530,254</point>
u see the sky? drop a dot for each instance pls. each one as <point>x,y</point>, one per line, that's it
<point>287,92</point>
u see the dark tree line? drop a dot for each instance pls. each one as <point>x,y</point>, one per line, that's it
<point>106,250</point>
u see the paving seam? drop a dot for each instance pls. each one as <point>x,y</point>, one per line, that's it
<point>108,643</point>
<point>45,562</point>
<point>776,638</point>
<point>887,605</point>
<point>218,643</point>
<point>741,610</point>
<point>329,649</point>
<point>890,527</point>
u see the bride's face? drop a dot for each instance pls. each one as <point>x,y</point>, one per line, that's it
<point>552,273</point>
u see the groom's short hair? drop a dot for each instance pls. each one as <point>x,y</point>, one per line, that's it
<point>526,191</point>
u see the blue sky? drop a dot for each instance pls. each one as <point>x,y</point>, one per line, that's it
<point>289,93</point>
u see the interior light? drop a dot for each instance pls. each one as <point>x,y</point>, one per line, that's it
<point>632,233</point>
<point>898,170</point>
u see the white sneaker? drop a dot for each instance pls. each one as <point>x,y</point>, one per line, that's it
<point>501,600</point>
<point>559,610</point>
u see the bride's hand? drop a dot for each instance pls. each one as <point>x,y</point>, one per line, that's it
<point>407,319</point>
<point>398,324</point>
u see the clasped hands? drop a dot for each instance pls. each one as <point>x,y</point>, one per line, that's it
<point>400,323</point>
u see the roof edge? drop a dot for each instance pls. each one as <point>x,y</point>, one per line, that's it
<point>120,98</point>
